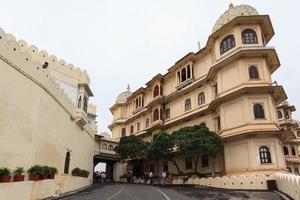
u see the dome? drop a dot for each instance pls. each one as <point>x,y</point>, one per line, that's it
<point>122,98</point>
<point>233,12</point>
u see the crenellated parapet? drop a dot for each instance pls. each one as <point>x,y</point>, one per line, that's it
<point>30,65</point>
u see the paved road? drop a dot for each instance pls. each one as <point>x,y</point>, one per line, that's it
<point>146,192</point>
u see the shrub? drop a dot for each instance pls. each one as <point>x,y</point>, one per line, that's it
<point>4,171</point>
<point>53,170</point>
<point>76,171</point>
<point>84,173</point>
<point>19,171</point>
<point>35,170</point>
<point>45,170</point>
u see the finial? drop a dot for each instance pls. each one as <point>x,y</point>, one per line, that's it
<point>128,87</point>
<point>230,4</point>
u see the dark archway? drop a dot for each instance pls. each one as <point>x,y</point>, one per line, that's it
<point>109,169</point>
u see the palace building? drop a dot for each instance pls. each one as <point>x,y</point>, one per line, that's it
<point>227,86</point>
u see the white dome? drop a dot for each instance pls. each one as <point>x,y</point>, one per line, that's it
<point>233,12</point>
<point>122,98</point>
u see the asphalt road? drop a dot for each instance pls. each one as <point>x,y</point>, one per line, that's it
<point>146,192</point>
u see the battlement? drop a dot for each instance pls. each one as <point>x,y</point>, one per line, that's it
<point>27,64</point>
<point>55,64</point>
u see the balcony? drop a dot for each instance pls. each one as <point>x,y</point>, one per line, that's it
<point>81,117</point>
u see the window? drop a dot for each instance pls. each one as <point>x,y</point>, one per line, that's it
<point>188,71</point>
<point>264,154</point>
<point>215,90</point>
<point>67,162</point>
<point>203,124</point>
<point>104,147</point>
<point>156,115</point>
<point>298,133</point>
<point>123,132</point>
<point>253,72</point>
<point>259,112</point>
<point>227,44</point>
<point>218,123</point>
<point>189,163</point>
<point>110,148</point>
<point>187,104</point>
<point>290,170</point>
<point>183,74</point>
<point>285,151</point>
<point>296,171</point>
<point>279,114</point>
<point>138,126</point>
<point>156,91</point>
<point>293,151</point>
<point>131,129</point>
<point>147,123</point>
<point>205,161</point>
<point>249,36</point>
<point>165,166</point>
<point>201,98</point>
<point>286,115</point>
<point>167,113</point>
<point>79,102</point>
<point>85,104</point>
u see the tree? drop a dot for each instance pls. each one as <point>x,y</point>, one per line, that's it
<point>196,141</point>
<point>162,147</point>
<point>132,147</point>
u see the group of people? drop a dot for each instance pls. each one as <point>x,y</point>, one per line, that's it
<point>150,176</point>
<point>100,177</point>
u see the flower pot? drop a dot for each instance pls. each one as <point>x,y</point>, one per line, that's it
<point>5,179</point>
<point>34,177</point>
<point>19,178</point>
<point>43,176</point>
<point>51,176</point>
<point>74,174</point>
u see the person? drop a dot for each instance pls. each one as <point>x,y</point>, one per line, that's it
<point>128,177</point>
<point>164,176</point>
<point>151,176</point>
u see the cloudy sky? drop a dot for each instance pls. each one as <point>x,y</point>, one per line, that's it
<point>121,42</point>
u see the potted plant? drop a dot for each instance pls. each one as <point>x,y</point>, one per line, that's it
<point>52,172</point>
<point>84,173</point>
<point>76,171</point>
<point>19,174</point>
<point>34,173</point>
<point>44,172</point>
<point>5,175</point>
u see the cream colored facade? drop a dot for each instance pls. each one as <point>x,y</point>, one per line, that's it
<point>219,87</point>
<point>45,118</point>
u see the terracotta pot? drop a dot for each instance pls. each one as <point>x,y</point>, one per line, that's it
<point>19,178</point>
<point>5,179</point>
<point>43,177</point>
<point>34,177</point>
<point>74,174</point>
<point>51,176</point>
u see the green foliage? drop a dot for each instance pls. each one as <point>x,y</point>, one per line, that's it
<point>19,171</point>
<point>85,173</point>
<point>161,147</point>
<point>53,170</point>
<point>132,147</point>
<point>76,171</point>
<point>44,170</point>
<point>4,171</point>
<point>35,170</point>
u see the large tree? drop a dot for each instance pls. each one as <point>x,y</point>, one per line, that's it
<point>132,147</point>
<point>162,147</point>
<point>196,141</point>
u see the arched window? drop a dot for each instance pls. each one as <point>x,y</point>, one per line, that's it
<point>285,151</point>
<point>131,129</point>
<point>136,103</point>
<point>110,148</point>
<point>187,104</point>
<point>253,72</point>
<point>155,115</point>
<point>104,147</point>
<point>201,98</point>
<point>183,74</point>
<point>147,123</point>
<point>67,162</point>
<point>227,44</point>
<point>85,104</point>
<point>264,154</point>
<point>287,115</point>
<point>293,151</point>
<point>249,36</point>
<point>156,91</point>
<point>79,102</point>
<point>123,132</point>
<point>188,71</point>
<point>138,126</point>
<point>259,112</point>
<point>167,113</point>
<point>279,113</point>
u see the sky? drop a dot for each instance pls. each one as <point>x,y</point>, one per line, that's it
<point>120,42</point>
